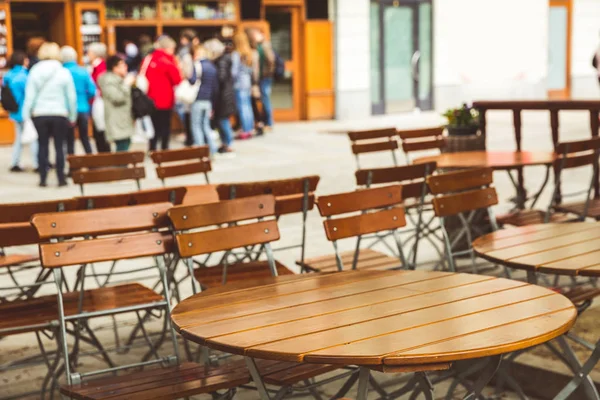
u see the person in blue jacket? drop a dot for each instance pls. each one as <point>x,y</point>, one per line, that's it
<point>86,90</point>
<point>16,79</point>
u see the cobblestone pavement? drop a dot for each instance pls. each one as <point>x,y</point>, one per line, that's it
<point>291,150</point>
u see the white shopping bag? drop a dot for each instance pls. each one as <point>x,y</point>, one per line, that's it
<point>29,134</point>
<point>144,130</point>
<point>98,114</point>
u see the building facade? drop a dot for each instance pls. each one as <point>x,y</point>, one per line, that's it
<point>401,55</point>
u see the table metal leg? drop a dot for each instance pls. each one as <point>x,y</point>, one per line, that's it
<point>260,385</point>
<point>581,374</point>
<point>486,376</point>
<point>363,383</point>
<point>532,277</point>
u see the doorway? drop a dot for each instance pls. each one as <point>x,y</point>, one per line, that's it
<point>284,25</point>
<point>43,19</point>
<point>401,55</point>
<point>559,49</point>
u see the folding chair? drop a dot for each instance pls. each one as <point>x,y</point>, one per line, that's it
<point>16,231</point>
<point>186,220</point>
<point>188,161</point>
<point>102,168</point>
<point>462,194</point>
<point>376,211</point>
<point>419,140</point>
<point>416,198</point>
<point>173,195</point>
<point>292,196</point>
<point>374,141</point>
<point>118,233</point>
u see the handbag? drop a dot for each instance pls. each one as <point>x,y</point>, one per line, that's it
<point>98,114</point>
<point>187,93</point>
<point>30,134</point>
<point>141,81</point>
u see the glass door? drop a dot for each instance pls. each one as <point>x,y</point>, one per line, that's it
<point>559,49</point>
<point>284,23</point>
<point>401,56</point>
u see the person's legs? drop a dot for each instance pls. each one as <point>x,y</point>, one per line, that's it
<point>34,148</point>
<point>102,146</point>
<point>245,110</point>
<point>206,108</point>
<point>70,139</point>
<point>82,127</point>
<point>156,124</point>
<point>266,87</point>
<point>123,144</point>
<point>189,136</point>
<point>59,130</point>
<point>43,138</point>
<point>200,125</point>
<point>17,148</point>
<point>225,132</point>
<point>165,120</point>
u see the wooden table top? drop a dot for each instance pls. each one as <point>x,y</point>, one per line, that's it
<point>561,249</point>
<point>499,160</point>
<point>371,318</point>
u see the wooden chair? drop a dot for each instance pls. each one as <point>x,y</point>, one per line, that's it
<point>462,195</point>
<point>416,198</point>
<point>418,140</point>
<point>107,167</point>
<point>187,161</point>
<point>292,196</point>
<point>374,211</point>
<point>569,155</point>
<point>118,233</point>
<point>173,195</point>
<point>196,235</point>
<point>374,141</point>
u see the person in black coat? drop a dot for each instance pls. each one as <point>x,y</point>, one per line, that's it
<point>225,105</point>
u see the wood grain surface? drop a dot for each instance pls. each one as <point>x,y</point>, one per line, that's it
<point>562,249</point>
<point>376,318</point>
<point>499,160</point>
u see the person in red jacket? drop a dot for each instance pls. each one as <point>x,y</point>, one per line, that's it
<point>163,75</point>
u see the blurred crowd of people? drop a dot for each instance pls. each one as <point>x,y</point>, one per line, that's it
<point>229,80</point>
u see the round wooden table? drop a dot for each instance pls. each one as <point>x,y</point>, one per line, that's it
<point>385,320</point>
<point>498,160</point>
<point>560,249</point>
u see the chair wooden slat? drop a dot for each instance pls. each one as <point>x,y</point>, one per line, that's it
<point>22,212</point>
<point>360,200</point>
<point>105,160</point>
<point>394,174</point>
<point>578,146</point>
<point>162,195</point>
<point>421,133</point>
<point>575,161</point>
<point>452,204</point>
<point>191,168</point>
<point>292,204</point>
<point>374,147</point>
<point>372,134</point>
<point>419,145</point>
<point>102,222</point>
<point>281,187</point>
<point>108,175</point>
<point>364,224</point>
<point>17,234</point>
<point>189,153</point>
<point>197,243</point>
<point>62,254</point>
<point>461,180</point>
<point>228,211</point>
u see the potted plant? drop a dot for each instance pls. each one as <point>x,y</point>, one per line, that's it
<point>462,121</point>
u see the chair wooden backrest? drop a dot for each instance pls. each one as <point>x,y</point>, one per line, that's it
<point>173,195</point>
<point>107,167</point>
<point>575,154</point>
<point>462,191</point>
<point>372,141</point>
<point>411,177</point>
<point>415,140</point>
<point>186,220</point>
<point>22,212</point>
<point>187,161</point>
<point>363,212</point>
<point>108,235</point>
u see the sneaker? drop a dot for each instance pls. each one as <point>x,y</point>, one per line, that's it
<point>244,136</point>
<point>43,184</point>
<point>62,184</point>
<point>16,168</point>
<point>226,152</point>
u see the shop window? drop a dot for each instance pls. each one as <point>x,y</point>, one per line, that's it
<point>317,9</point>
<point>250,9</point>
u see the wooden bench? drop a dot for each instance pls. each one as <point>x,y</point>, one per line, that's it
<point>373,211</point>
<point>187,161</point>
<point>107,167</point>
